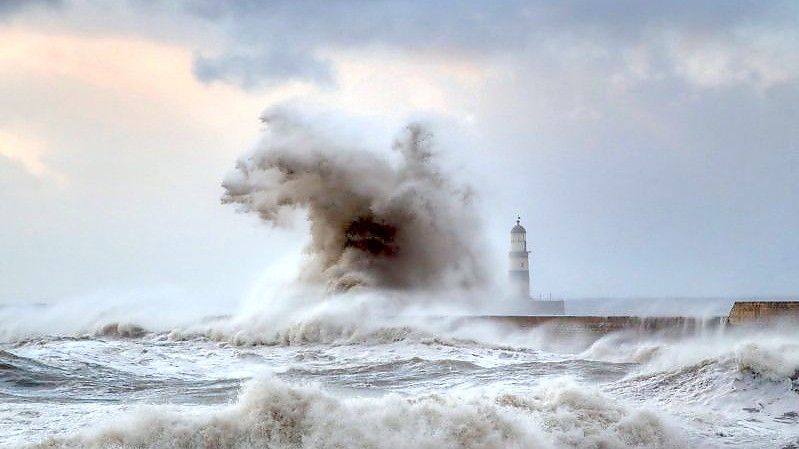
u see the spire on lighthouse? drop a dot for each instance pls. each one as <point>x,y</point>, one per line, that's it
<point>519,272</point>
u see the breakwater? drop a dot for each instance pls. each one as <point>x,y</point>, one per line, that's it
<point>606,324</point>
<point>763,312</point>
<point>743,313</point>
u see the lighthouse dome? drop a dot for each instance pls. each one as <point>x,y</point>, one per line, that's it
<point>518,229</point>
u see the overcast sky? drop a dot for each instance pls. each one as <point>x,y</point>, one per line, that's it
<point>651,148</point>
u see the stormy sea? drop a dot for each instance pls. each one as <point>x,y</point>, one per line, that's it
<point>367,348</point>
<point>349,383</point>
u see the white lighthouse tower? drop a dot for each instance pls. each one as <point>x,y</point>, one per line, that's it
<point>519,274</point>
<point>519,262</point>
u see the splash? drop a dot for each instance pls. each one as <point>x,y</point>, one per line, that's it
<point>374,223</point>
<point>270,413</point>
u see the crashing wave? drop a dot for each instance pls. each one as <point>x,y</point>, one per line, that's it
<point>299,334</point>
<point>374,223</point>
<point>772,360</point>
<point>122,330</point>
<point>773,355</point>
<point>273,414</point>
<point>722,379</point>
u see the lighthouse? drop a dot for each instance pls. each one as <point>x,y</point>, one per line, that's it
<point>519,272</point>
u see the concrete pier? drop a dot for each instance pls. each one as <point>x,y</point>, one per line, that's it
<point>601,325</point>
<point>762,312</point>
<point>743,313</point>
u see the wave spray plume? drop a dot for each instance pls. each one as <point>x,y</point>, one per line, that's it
<point>373,223</point>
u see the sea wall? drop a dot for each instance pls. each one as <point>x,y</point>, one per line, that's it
<point>743,313</point>
<point>759,312</point>
<point>606,324</point>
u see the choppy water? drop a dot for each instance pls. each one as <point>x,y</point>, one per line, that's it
<point>402,387</point>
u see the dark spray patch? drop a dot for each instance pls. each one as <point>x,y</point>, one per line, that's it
<point>365,234</point>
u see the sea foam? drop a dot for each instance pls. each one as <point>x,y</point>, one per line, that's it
<point>270,413</point>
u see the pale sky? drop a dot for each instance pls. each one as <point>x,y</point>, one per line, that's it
<point>651,148</point>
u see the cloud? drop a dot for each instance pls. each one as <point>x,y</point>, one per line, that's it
<point>277,41</point>
<point>143,145</point>
<point>28,152</point>
<point>759,61</point>
<point>10,7</point>
<point>266,66</point>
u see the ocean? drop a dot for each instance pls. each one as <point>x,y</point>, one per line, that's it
<point>397,383</point>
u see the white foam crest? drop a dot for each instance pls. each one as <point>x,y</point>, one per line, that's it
<point>301,315</point>
<point>772,353</point>
<point>304,315</point>
<point>273,414</point>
